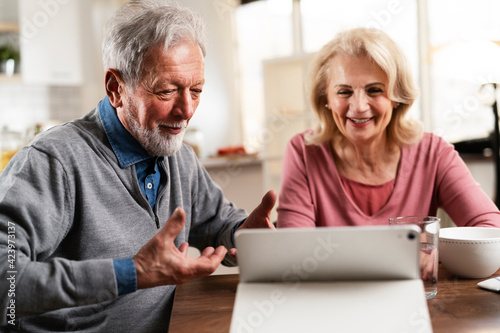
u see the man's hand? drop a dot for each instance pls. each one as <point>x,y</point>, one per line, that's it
<point>159,262</point>
<point>260,217</point>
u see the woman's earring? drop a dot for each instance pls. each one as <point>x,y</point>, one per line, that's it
<point>326,106</point>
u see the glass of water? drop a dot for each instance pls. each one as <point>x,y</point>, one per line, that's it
<point>429,256</point>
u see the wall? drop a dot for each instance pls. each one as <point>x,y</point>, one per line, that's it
<point>24,105</point>
<point>218,115</point>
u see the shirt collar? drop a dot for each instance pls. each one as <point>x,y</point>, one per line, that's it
<point>124,145</point>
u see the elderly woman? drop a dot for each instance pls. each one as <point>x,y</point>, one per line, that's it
<point>367,161</point>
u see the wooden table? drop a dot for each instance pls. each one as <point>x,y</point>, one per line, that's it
<point>461,306</point>
<point>205,305</point>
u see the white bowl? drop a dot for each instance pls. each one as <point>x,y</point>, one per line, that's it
<point>470,252</point>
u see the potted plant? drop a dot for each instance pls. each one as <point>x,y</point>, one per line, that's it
<point>9,59</point>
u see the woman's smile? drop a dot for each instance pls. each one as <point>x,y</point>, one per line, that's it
<point>360,121</point>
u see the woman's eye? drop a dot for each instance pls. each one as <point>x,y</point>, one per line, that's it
<point>344,92</point>
<point>375,91</point>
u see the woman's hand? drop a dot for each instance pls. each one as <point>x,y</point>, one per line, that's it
<point>428,265</point>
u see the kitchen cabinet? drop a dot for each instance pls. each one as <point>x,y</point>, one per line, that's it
<point>8,17</point>
<point>287,111</point>
<point>6,27</point>
<point>52,38</point>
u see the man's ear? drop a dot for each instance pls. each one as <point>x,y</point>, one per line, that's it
<point>114,87</point>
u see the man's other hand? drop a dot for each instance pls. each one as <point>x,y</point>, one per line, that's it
<point>160,262</point>
<point>260,217</point>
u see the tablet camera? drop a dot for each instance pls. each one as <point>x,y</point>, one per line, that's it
<point>411,236</point>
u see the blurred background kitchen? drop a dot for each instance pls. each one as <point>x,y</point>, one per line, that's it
<point>254,100</point>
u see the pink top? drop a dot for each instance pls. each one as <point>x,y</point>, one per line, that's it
<point>369,198</point>
<point>430,175</point>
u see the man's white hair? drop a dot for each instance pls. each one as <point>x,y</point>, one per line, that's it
<point>143,25</point>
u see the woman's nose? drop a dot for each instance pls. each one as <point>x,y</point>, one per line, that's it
<point>359,102</point>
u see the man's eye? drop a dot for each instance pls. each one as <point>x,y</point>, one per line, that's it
<point>196,93</point>
<point>166,91</point>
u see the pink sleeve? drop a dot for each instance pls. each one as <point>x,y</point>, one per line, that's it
<point>460,195</point>
<point>295,207</point>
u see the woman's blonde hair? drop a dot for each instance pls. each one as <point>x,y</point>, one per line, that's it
<point>385,53</point>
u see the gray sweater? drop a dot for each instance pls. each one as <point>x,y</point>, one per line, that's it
<point>71,210</point>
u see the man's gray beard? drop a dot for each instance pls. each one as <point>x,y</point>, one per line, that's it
<point>153,141</point>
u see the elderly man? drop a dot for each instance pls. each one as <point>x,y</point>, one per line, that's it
<point>95,214</point>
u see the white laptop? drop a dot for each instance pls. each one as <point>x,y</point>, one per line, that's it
<point>338,279</point>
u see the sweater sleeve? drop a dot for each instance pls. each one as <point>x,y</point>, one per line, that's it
<point>36,213</point>
<point>459,194</point>
<point>296,207</point>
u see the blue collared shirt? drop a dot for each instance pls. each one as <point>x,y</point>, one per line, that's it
<point>129,152</point>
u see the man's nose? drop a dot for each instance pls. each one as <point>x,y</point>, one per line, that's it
<point>184,105</point>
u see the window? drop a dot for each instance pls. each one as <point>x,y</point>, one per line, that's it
<point>264,31</point>
<point>464,55</point>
